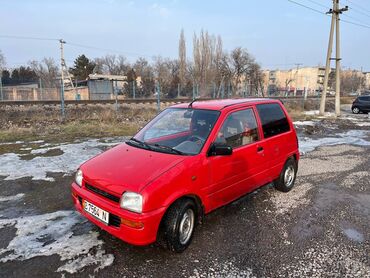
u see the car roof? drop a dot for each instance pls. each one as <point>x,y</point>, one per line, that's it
<point>219,104</point>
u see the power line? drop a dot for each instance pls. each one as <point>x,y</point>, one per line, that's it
<point>307,7</point>
<point>318,11</point>
<point>27,38</point>
<point>106,49</point>
<point>74,44</point>
<point>319,4</point>
<point>357,5</point>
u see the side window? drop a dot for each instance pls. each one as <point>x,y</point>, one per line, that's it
<point>239,129</point>
<point>273,119</point>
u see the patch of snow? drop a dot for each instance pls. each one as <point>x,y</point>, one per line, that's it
<point>50,234</point>
<point>363,124</point>
<point>311,112</point>
<point>74,154</point>
<point>37,142</point>
<point>12,143</point>
<point>299,123</point>
<point>11,198</point>
<point>352,137</point>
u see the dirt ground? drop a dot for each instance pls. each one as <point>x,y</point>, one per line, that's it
<point>319,229</point>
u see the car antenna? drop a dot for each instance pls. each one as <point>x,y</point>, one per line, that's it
<point>191,103</point>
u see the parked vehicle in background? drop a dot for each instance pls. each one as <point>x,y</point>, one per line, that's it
<point>188,161</point>
<point>361,104</point>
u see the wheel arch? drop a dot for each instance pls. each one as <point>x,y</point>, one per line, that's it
<point>198,204</point>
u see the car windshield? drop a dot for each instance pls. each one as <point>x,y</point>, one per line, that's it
<point>180,131</point>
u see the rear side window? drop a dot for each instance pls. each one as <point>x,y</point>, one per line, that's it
<point>274,121</point>
<point>365,98</point>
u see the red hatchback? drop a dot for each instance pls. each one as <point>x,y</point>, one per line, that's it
<point>189,160</point>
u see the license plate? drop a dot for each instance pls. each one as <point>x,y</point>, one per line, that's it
<point>97,212</point>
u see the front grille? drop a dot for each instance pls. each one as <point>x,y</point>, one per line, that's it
<point>102,193</point>
<point>114,220</point>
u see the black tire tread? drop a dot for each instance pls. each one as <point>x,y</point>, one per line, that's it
<point>279,183</point>
<point>170,223</point>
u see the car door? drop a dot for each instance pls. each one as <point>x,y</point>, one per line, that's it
<point>365,104</point>
<point>278,136</point>
<point>239,173</point>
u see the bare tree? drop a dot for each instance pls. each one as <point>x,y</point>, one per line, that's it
<point>47,70</point>
<point>2,63</point>
<point>241,62</point>
<point>205,50</point>
<point>182,59</point>
<point>352,82</point>
<point>112,64</point>
<point>145,73</point>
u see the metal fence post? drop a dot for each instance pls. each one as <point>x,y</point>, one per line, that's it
<point>222,90</point>
<point>133,90</point>
<point>40,84</point>
<point>116,96</point>
<point>193,91</point>
<point>178,90</point>
<point>158,97</point>
<point>1,89</point>
<point>62,99</point>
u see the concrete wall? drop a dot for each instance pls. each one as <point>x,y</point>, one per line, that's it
<point>32,94</point>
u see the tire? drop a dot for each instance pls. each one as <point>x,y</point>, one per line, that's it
<point>178,225</point>
<point>355,110</point>
<point>287,177</point>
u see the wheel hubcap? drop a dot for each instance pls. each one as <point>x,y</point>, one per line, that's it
<point>186,226</point>
<point>289,176</point>
<point>356,110</point>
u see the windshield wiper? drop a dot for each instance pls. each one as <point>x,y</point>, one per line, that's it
<point>141,143</point>
<point>169,149</point>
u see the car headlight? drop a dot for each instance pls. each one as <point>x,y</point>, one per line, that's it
<point>132,201</point>
<point>78,177</point>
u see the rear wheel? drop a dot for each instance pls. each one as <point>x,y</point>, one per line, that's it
<point>287,177</point>
<point>178,225</point>
<point>355,110</point>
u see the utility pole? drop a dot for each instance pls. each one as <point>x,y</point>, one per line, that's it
<point>62,65</point>
<point>335,12</point>
<point>296,78</point>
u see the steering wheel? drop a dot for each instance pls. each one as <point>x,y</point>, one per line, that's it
<point>195,138</point>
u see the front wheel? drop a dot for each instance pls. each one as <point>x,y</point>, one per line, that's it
<point>355,110</point>
<point>178,225</point>
<point>287,177</point>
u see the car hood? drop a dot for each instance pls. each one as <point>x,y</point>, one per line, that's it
<point>127,168</point>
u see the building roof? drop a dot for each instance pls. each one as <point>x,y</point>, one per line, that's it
<point>219,104</point>
<point>95,76</point>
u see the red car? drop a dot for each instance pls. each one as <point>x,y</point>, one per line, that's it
<point>189,160</point>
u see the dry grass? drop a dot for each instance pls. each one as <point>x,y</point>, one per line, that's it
<point>32,123</point>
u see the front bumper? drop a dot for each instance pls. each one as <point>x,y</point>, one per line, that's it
<point>136,236</point>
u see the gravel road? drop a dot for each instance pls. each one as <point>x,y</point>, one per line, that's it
<point>319,229</point>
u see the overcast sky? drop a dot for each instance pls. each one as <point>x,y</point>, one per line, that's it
<point>277,32</point>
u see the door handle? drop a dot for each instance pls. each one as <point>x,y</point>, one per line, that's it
<point>259,149</point>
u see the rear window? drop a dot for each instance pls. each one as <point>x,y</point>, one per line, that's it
<point>274,121</point>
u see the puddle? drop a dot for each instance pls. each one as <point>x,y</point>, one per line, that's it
<point>328,200</point>
<point>353,234</point>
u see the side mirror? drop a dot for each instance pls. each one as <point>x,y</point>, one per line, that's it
<point>220,149</point>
